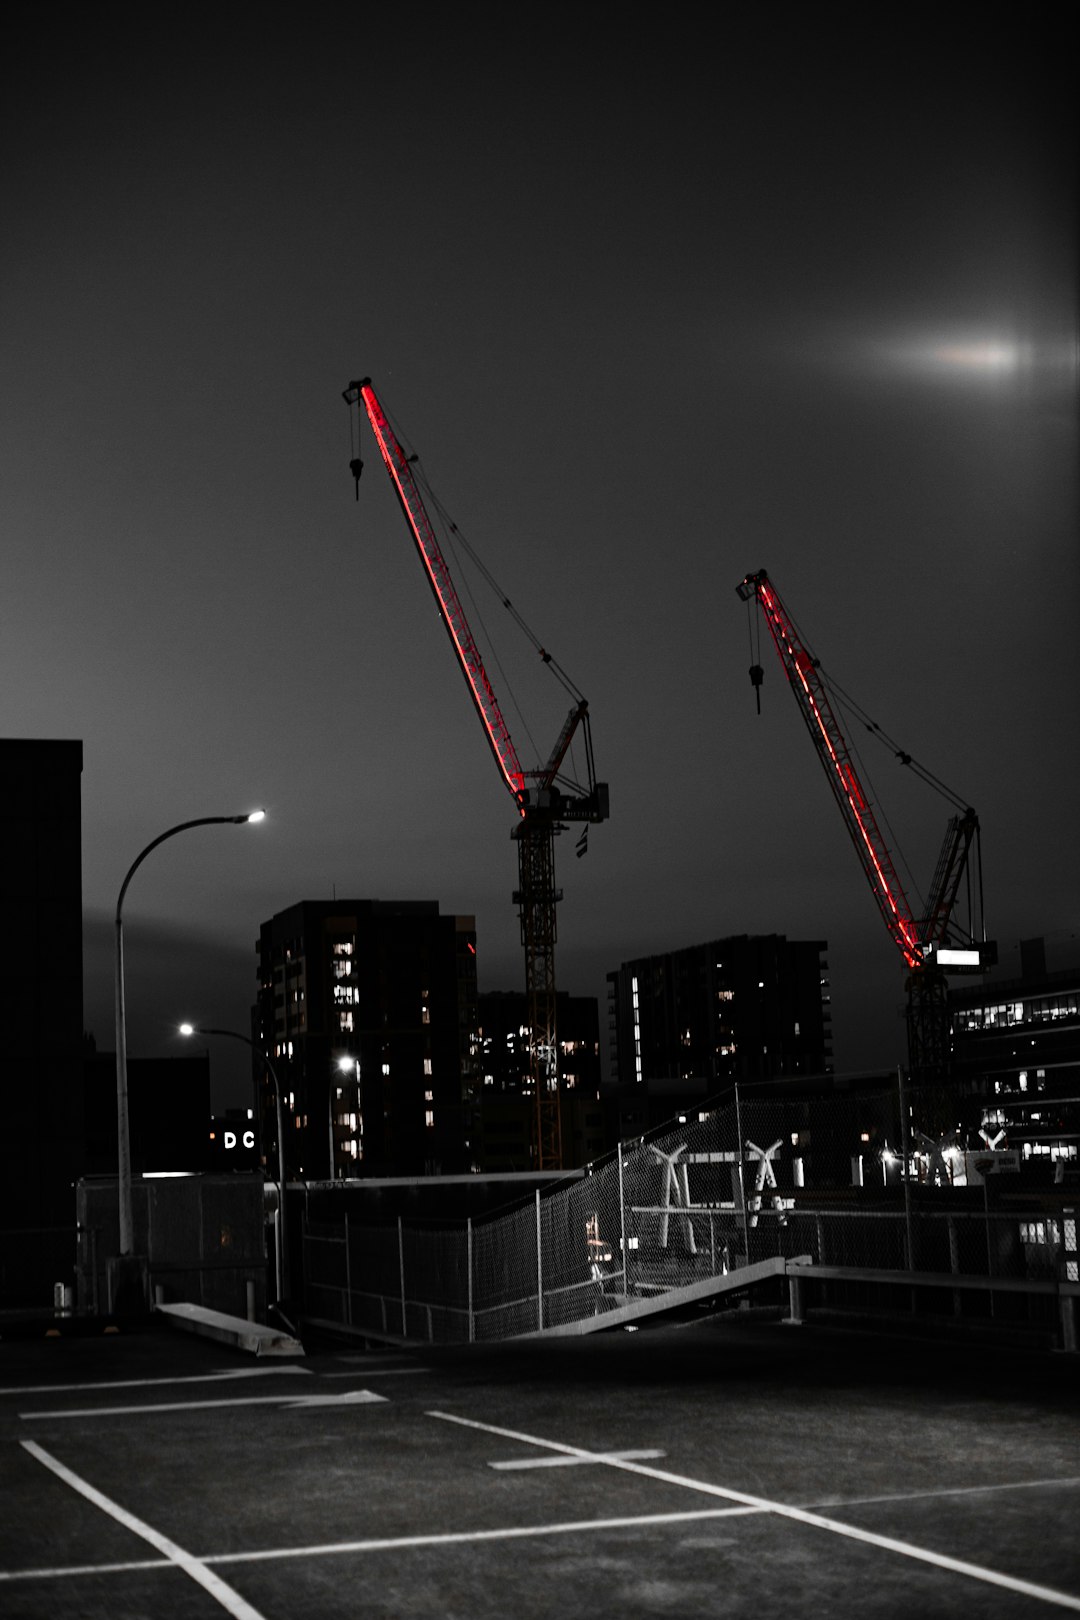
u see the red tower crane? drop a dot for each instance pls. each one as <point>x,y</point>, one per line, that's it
<point>546,797</point>
<point>931,943</point>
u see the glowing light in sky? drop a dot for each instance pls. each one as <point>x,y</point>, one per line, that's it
<point>979,356</point>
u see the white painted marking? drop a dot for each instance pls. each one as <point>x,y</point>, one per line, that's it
<point>333,1548</point>
<point>150,1383</point>
<point>376,1372</point>
<point>351,1397</point>
<point>953,1490</point>
<point>817,1521</point>
<point>193,1567</point>
<point>84,1569</point>
<point>201,1406</point>
<point>574,1462</point>
<point>454,1537</point>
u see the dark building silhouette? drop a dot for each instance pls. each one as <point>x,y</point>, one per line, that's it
<point>368,1011</point>
<point>41,984</point>
<point>169,1114</point>
<point>502,1133</point>
<point>689,1023</point>
<point>1016,1059</point>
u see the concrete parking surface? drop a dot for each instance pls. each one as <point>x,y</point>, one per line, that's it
<point>731,1467</point>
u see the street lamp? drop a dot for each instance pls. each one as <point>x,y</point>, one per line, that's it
<point>345,1065</point>
<point>123,1129</point>
<point>283,1237</point>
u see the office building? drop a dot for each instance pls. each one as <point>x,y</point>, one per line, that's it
<point>1016,1060</point>
<point>368,1011</point>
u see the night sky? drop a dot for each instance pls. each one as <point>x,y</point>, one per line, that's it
<point>656,310</point>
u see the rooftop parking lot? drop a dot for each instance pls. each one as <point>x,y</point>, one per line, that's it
<point>732,1466</point>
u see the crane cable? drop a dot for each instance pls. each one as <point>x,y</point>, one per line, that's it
<point>871,725</point>
<point>452,533</point>
<point>848,706</point>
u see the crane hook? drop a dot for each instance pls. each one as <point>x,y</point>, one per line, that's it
<point>356,467</point>
<point>757,675</point>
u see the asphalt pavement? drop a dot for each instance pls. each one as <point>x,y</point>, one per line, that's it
<point>732,1467</point>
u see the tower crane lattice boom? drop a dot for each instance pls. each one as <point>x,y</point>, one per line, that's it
<point>544,798</point>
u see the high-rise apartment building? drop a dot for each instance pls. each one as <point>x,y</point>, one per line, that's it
<point>368,1011</point>
<point>690,1022</point>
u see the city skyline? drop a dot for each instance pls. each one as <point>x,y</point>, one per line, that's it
<point>652,322</point>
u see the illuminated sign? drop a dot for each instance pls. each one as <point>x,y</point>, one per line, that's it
<point>234,1142</point>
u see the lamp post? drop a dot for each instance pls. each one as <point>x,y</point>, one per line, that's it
<point>123,1129</point>
<point>345,1065</point>
<point>283,1239</point>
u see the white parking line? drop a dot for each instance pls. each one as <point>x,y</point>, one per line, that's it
<point>953,1490</point>
<point>520,1532</point>
<point>150,1383</point>
<point>292,1399</point>
<point>573,1462</point>
<point>390,1543</point>
<point>218,1589</point>
<point>817,1521</point>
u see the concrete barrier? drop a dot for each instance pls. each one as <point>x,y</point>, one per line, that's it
<point>255,1337</point>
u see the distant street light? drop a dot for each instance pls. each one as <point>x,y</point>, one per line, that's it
<point>123,1129</point>
<point>283,1237</point>
<point>345,1065</point>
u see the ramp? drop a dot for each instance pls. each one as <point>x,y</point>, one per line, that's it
<point>632,1310</point>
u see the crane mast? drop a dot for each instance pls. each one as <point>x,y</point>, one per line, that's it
<point>931,942</point>
<point>544,797</point>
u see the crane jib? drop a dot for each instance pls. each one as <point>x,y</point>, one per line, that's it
<point>813,700</point>
<point>457,625</point>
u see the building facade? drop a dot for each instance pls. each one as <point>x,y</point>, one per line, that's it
<point>169,1113</point>
<point>367,1009</point>
<point>1016,1060</point>
<point>503,1132</point>
<point>689,1023</point>
<point>41,982</point>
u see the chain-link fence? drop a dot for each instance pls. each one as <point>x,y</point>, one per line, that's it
<point>758,1177</point>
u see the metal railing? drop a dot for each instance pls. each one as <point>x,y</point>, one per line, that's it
<point>751,1180</point>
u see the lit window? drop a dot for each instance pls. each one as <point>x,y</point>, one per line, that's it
<point>429,1118</point>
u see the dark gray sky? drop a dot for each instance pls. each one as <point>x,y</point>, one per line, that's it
<point>655,312</point>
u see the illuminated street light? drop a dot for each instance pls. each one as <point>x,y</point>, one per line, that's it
<point>283,1235</point>
<point>123,1129</point>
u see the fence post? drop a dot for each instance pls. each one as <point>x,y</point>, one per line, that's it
<point>905,1169</point>
<point>742,1179</point>
<point>954,1261</point>
<point>401,1275</point>
<point>622,1228</point>
<point>348,1276</point>
<point>1067,1309</point>
<point>539,1269</point>
<point>468,1250</point>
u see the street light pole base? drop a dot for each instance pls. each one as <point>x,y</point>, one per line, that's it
<point>128,1284</point>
